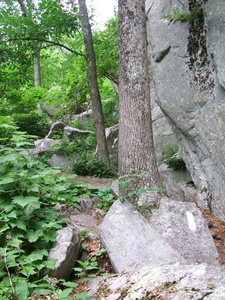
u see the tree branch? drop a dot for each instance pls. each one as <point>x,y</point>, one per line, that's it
<point>49,42</point>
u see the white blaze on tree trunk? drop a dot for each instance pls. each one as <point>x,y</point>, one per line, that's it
<point>136,147</point>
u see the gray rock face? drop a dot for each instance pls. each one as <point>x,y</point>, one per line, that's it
<point>183,227</point>
<point>130,240</point>
<point>188,71</point>
<point>43,145</point>
<point>65,251</point>
<point>171,282</point>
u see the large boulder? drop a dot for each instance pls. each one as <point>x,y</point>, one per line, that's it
<point>183,227</point>
<point>130,240</point>
<point>171,282</point>
<point>42,145</point>
<point>188,72</point>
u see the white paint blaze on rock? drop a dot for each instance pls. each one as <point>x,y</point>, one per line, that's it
<point>191,221</point>
<point>184,228</point>
<point>130,240</point>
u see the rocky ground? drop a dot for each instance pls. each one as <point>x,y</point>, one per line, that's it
<point>92,246</point>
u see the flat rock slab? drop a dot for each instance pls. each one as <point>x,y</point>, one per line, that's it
<point>171,282</point>
<point>130,240</point>
<point>183,227</point>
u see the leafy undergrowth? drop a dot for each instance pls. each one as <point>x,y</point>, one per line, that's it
<point>96,264</point>
<point>28,224</point>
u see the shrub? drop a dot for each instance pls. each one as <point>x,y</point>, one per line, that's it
<point>33,124</point>
<point>176,164</point>
<point>28,224</point>
<point>171,159</point>
<point>93,167</point>
<point>7,129</point>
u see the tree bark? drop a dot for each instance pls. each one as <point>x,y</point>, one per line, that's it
<point>97,111</point>
<point>136,146</point>
<point>37,65</point>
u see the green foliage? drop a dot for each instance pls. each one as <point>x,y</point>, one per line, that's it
<point>176,164</point>
<point>93,167</point>
<point>7,129</point>
<point>90,264</point>
<point>126,180</point>
<point>106,50</point>
<point>110,111</point>
<point>171,159</point>
<point>177,15</point>
<point>79,147</point>
<point>169,151</point>
<point>106,199</point>
<point>33,124</point>
<point>28,224</point>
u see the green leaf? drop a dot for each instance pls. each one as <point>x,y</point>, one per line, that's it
<point>18,223</point>
<point>9,157</point>
<point>15,242</point>
<point>33,188</point>
<point>22,290</point>
<point>70,284</point>
<point>7,179</point>
<point>83,296</point>
<point>28,270</point>
<point>31,207</point>
<point>33,236</point>
<point>23,201</point>
<point>4,228</point>
<point>13,214</point>
<point>124,185</point>
<point>64,294</point>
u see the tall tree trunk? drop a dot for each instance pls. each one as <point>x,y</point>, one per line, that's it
<point>136,147</point>
<point>37,65</point>
<point>37,61</point>
<point>97,111</point>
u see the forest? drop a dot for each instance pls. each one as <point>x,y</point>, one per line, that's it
<point>43,60</point>
<point>66,83</point>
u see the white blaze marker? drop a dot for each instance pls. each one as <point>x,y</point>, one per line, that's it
<point>191,221</point>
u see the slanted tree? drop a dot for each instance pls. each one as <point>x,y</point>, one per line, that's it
<point>97,111</point>
<point>136,146</point>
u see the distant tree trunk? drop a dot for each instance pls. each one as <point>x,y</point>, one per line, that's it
<point>97,111</point>
<point>136,147</point>
<point>37,66</point>
<point>37,63</point>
